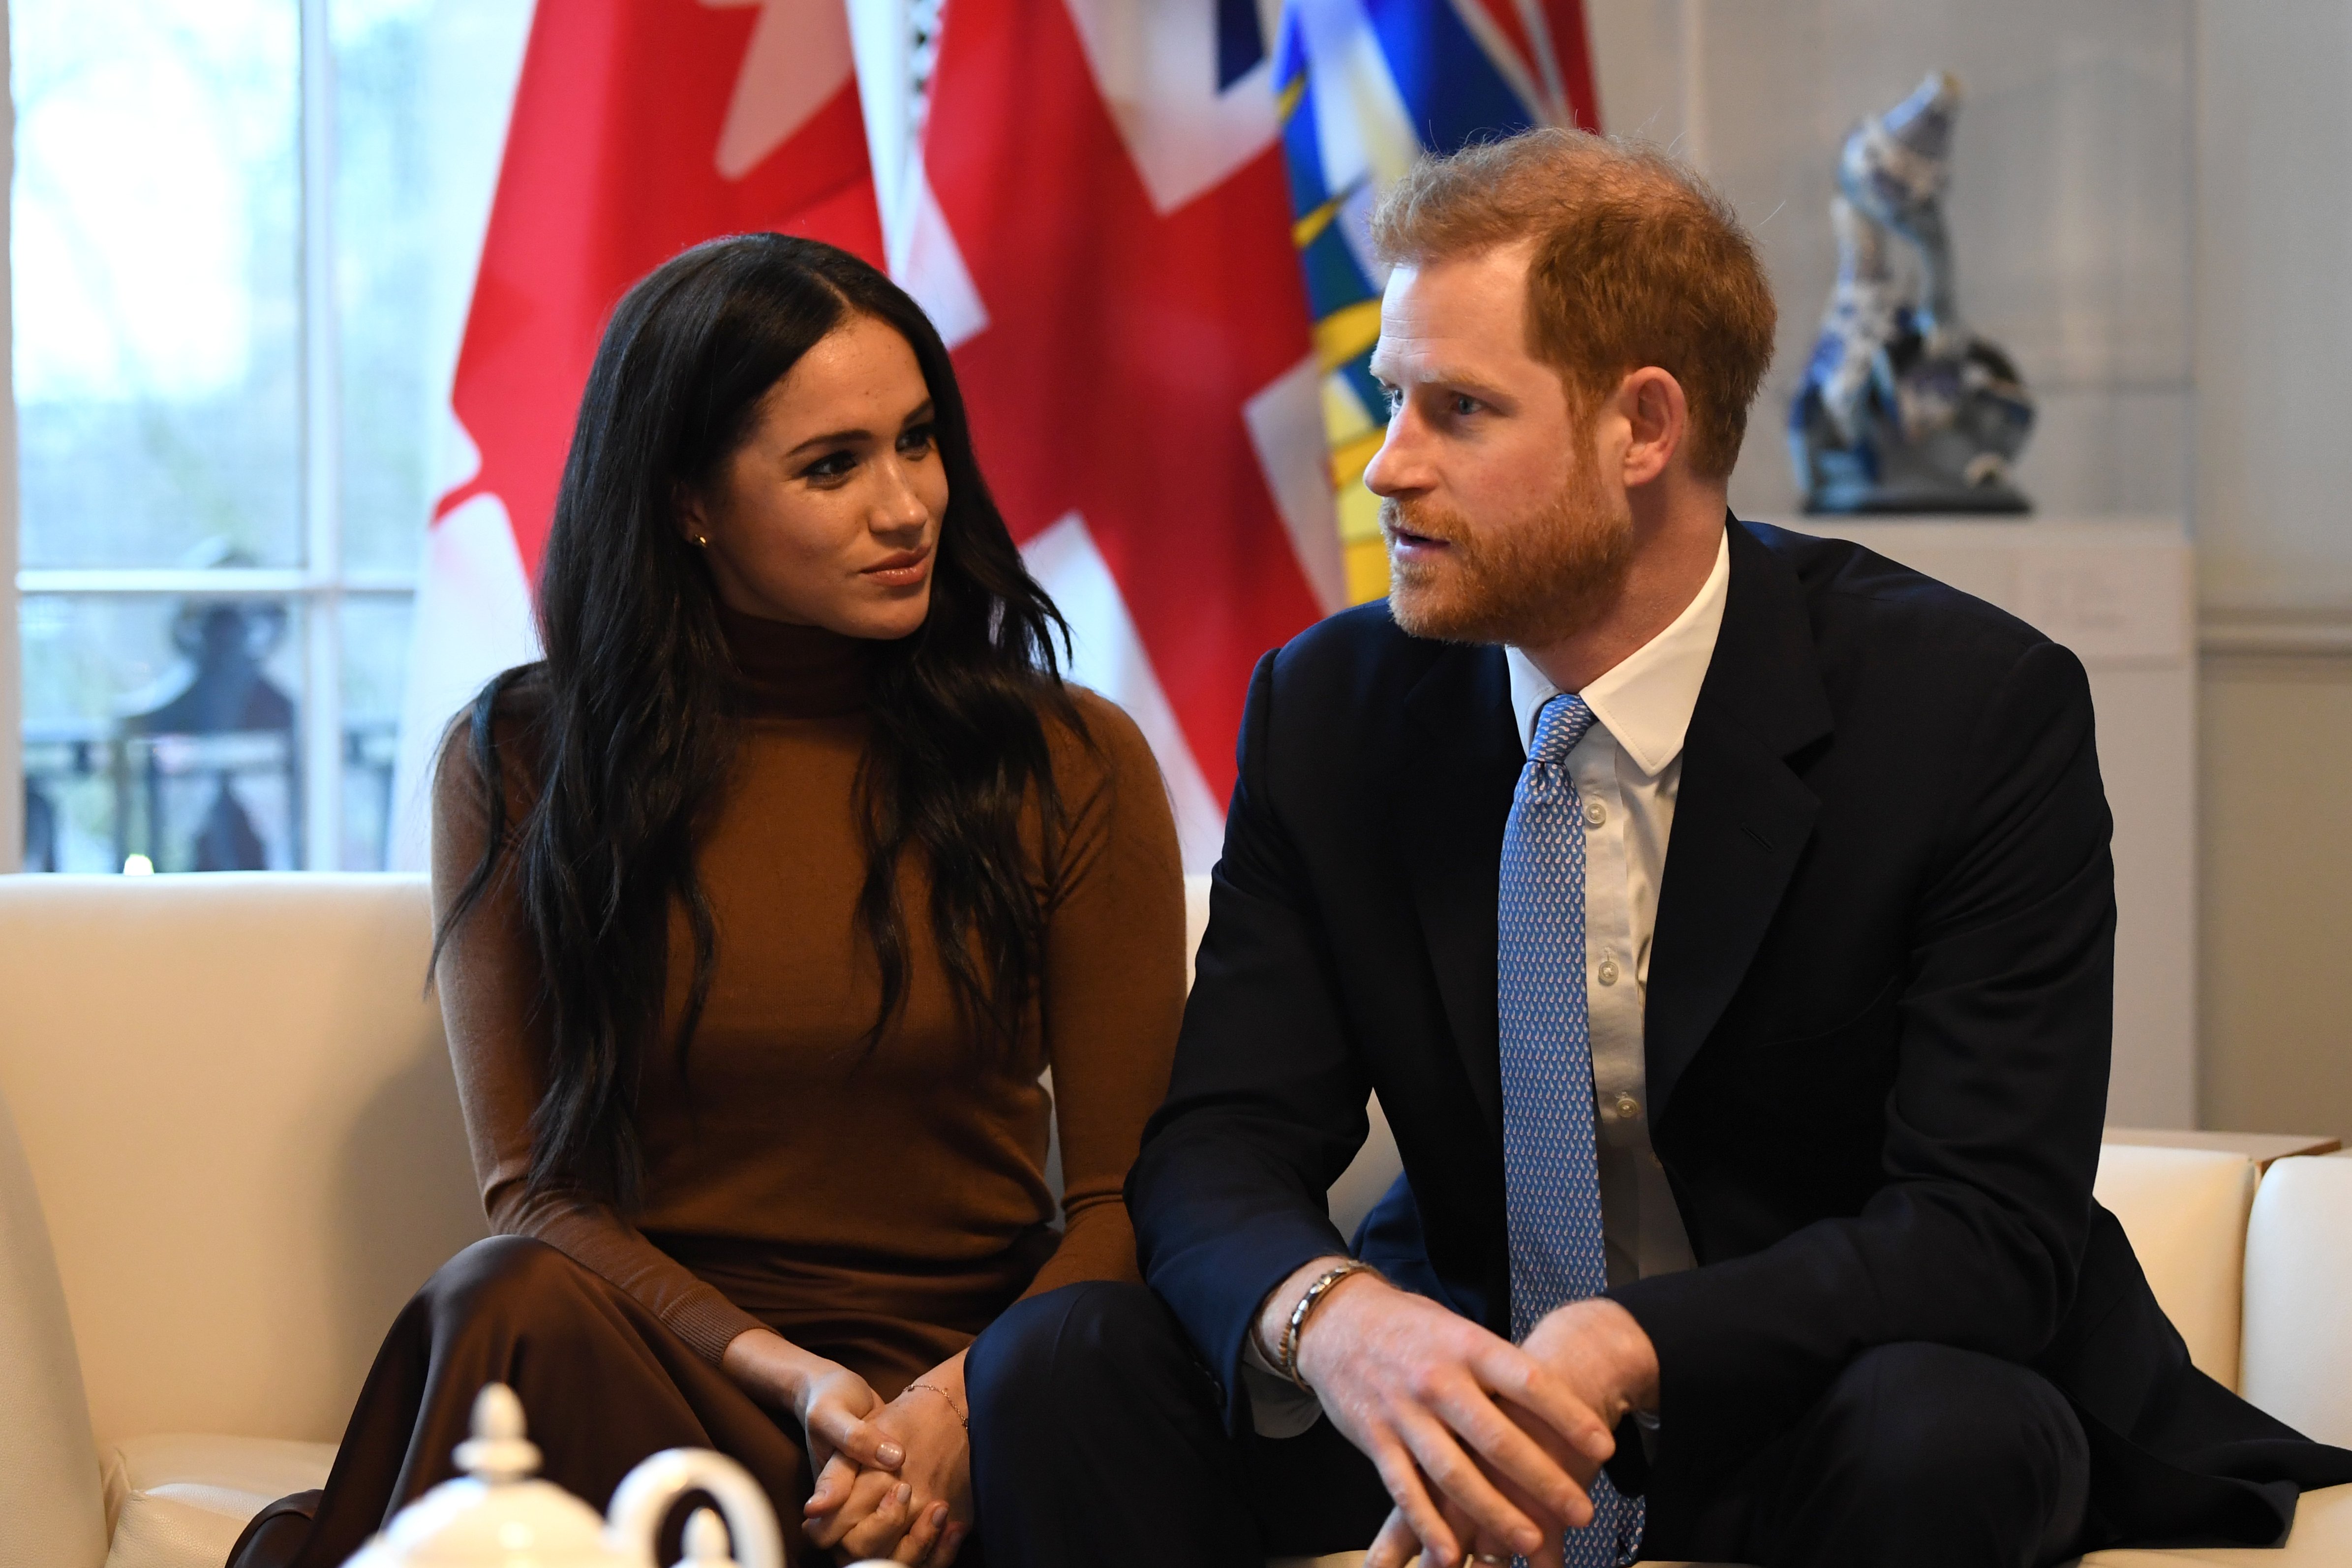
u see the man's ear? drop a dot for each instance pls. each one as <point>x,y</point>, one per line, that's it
<point>1657,419</point>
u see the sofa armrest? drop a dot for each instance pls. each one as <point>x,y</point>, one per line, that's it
<point>48,1463</point>
<point>2298,1296</point>
<point>2185,1212</point>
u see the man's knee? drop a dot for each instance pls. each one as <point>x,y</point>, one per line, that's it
<point>1080,1344</point>
<point>1913,1418</point>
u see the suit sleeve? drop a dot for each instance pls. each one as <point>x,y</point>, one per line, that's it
<point>1977,1236</point>
<point>1266,1104</point>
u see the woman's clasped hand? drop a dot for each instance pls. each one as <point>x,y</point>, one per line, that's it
<point>893,1478</point>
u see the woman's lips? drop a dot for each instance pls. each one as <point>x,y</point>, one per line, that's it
<point>903,570</point>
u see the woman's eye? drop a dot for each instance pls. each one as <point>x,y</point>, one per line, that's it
<point>917,440</point>
<point>832,466</point>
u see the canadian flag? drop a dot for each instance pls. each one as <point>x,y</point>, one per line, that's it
<point>1100,225</point>
<point>640,127</point>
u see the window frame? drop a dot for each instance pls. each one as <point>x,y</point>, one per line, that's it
<point>321,587</point>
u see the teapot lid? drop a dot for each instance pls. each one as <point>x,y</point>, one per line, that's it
<point>497,1514</point>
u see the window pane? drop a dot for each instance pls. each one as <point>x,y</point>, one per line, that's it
<point>161,727</point>
<point>155,240</point>
<point>421,92</point>
<point>376,657</point>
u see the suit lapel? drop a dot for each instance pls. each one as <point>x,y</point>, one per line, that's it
<point>1742,817</point>
<point>1453,785</point>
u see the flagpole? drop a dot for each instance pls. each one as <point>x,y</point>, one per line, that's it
<point>12,684</point>
<point>882,37</point>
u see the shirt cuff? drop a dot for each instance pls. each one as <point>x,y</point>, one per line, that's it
<point>1278,1407</point>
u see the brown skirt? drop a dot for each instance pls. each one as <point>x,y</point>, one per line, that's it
<point>602,1383</point>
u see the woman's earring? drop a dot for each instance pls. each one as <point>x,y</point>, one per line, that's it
<point>702,541</point>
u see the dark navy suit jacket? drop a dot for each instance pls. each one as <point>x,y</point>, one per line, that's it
<point>1877,1027</point>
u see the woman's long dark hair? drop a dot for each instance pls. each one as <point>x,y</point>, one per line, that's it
<point>632,717</point>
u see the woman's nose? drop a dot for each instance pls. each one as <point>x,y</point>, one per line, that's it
<point>900,506</point>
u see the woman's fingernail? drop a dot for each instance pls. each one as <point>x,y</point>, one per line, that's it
<point>906,1494</point>
<point>889,1455</point>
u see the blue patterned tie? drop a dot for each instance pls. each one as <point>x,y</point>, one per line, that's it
<point>1551,1171</point>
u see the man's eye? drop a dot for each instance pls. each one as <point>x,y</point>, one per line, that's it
<point>1464,406</point>
<point>1393,398</point>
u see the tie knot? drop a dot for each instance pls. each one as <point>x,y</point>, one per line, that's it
<point>1560,726</point>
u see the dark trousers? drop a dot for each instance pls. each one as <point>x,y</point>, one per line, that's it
<point>1098,1436</point>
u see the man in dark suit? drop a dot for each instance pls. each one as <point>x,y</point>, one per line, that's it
<point>1759,1169</point>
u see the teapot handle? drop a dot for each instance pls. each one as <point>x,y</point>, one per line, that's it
<point>645,1494</point>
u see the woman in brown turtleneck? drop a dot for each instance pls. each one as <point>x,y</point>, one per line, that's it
<point>764,901</point>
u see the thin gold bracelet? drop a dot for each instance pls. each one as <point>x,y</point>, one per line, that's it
<point>943,1393</point>
<point>1288,1360</point>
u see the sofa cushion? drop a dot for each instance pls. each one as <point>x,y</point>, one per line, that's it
<point>2322,1539</point>
<point>2298,1299</point>
<point>179,1501</point>
<point>2185,1212</point>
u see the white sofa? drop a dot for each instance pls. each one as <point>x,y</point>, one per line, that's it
<point>230,1149</point>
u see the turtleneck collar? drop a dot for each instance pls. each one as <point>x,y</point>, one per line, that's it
<point>795,672</point>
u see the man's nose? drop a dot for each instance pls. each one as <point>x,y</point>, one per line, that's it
<point>1395,467</point>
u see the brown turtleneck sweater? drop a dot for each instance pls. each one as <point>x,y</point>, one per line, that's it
<point>877,1210</point>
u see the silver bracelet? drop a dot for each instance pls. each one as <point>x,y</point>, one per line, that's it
<point>1287,1360</point>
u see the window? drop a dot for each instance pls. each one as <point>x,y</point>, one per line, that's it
<point>242,236</point>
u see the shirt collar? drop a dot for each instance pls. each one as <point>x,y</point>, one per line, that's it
<point>1646,700</point>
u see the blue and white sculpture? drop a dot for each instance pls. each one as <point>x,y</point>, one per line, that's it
<point>1902,409</point>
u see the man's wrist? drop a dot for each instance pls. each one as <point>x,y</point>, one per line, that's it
<point>1274,1311</point>
<point>1613,1346</point>
<point>1324,1278</point>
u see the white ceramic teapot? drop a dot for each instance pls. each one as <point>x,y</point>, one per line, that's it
<point>497,1516</point>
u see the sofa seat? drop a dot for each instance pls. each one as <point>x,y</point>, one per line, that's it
<point>175,1501</point>
<point>2322,1539</point>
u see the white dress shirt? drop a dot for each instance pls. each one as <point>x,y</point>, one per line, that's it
<point>1627,770</point>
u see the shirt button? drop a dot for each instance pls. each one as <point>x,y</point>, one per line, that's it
<point>1607,973</point>
<point>1595,813</point>
<point>1628,1106</point>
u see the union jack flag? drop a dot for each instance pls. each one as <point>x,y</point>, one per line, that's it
<point>1141,231</point>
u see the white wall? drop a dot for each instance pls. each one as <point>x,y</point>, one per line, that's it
<point>2273,508</point>
<point>2273,337</point>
